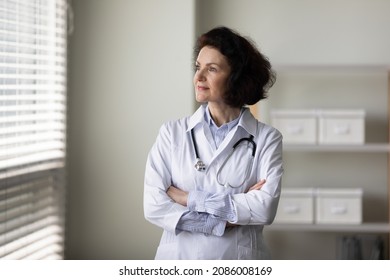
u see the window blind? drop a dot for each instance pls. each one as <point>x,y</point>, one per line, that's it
<point>32,128</point>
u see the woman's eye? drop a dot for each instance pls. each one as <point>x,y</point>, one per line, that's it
<point>212,69</point>
<point>197,67</point>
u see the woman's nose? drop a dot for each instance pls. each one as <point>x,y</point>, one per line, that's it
<point>199,75</point>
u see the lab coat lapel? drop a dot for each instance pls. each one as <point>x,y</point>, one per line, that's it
<point>248,122</point>
<point>196,118</point>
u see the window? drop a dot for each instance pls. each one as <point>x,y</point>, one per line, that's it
<point>32,128</point>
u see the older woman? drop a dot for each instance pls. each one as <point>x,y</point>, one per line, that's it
<point>213,179</point>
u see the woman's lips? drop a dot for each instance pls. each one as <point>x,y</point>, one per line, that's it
<point>201,88</point>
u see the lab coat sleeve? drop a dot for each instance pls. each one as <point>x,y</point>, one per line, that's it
<point>159,208</point>
<point>259,207</point>
<point>202,222</point>
<point>217,204</point>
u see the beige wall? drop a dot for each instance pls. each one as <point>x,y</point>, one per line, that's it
<point>307,31</point>
<point>130,70</point>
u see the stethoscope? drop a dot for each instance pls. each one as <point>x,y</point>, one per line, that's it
<point>200,166</point>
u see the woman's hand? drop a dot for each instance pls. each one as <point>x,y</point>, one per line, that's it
<point>257,186</point>
<point>178,195</point>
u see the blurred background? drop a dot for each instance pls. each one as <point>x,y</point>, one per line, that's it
<point>130,67</point>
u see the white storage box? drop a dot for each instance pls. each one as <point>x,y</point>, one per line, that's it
<point>296,205</point>
<point>339,206</point>
<point>341,127</point>
<point>296,126</point>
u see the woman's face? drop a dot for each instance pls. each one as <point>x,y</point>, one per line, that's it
<point>212,72</point>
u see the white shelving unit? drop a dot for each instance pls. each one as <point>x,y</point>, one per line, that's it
<point>362,228</point>
<point>367,148</point>
<point>357,86</point>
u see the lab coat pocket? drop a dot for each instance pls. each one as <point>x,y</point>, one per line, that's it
<point>245,253</point>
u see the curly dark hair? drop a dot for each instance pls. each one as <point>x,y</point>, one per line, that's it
<point>251,76</point>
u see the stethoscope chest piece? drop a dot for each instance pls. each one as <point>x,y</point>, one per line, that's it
<point>199,165</point>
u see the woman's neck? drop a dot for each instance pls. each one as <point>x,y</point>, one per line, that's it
<point>223,114</point>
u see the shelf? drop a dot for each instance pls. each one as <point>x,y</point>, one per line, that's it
<point>361,228</point>
<point>350,68</point>
<point>367,148</point>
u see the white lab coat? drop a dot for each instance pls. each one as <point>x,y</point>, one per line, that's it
<point>171,162</point>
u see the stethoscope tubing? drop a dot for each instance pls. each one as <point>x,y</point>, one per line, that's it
<point>200,166</point>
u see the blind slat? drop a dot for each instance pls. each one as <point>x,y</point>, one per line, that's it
<point>25,4</point>
<point>33,117</point>
<point>34,57</point>
<point>46,136</point>
<point>37,167</point>
<point>12,250</point>
<point>19,221</point>
<point>29,159</point>
<point>25,196</point>
<point>32,66</point>
<point>46,252</point>
<point>39,126</point>
<point>34,26</point>
<point>34,87</point>
<point>31,148</point>
<point>17,233</point>
<point>34,107</point>
<point>33,247</point>
<point>35,77</point>
<point>20,210</point>
<point>32,97</point>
